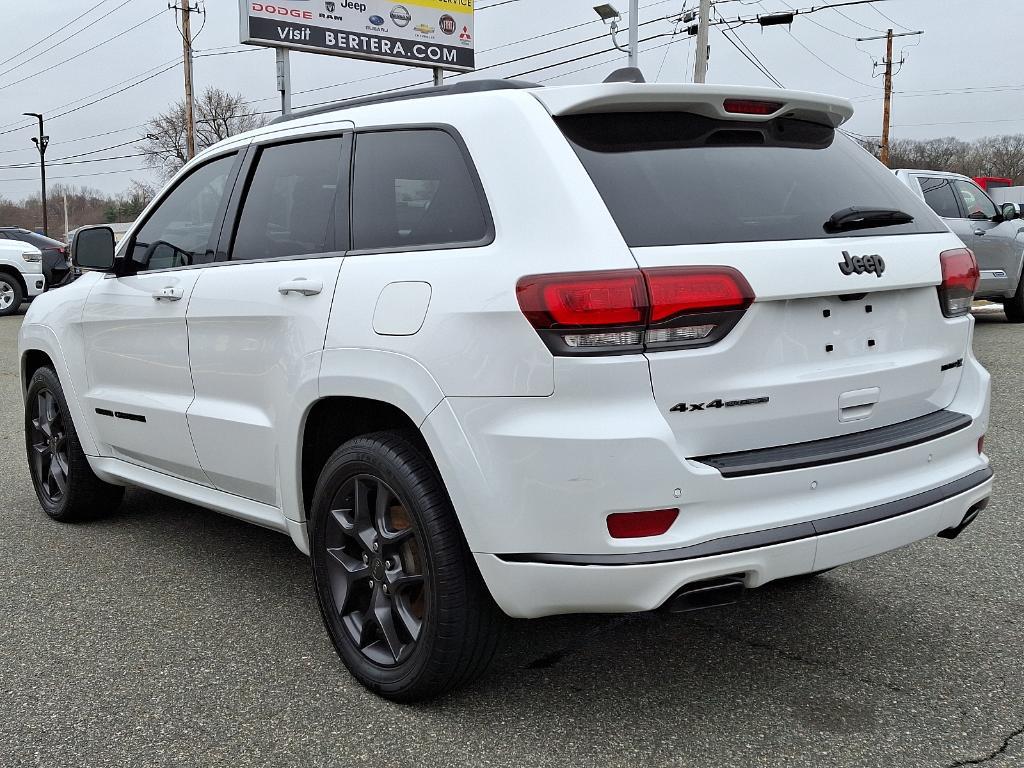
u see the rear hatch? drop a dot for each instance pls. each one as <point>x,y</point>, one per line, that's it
<point>846,332</point>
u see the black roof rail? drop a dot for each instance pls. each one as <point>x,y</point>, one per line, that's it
<point>463,86</point>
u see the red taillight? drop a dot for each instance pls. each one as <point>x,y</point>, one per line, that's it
<point>583,299</point>
<point>960,277</point>
<point>632,310</point>
<point>676,290</point>
<point>636,525</point>
<point>751,107</point>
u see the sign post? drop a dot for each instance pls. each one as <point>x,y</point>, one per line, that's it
<point>284,80</point>
<point>421,33</point>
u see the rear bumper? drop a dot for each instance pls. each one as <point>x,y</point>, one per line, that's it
<point>528,586</point>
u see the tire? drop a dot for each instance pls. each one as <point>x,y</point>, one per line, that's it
<point>385,537</point>
<point>11,294</point>
<point>1014,308</point>
<point>64,482</point>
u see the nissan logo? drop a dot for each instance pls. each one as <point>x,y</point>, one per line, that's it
<point>400,16</point>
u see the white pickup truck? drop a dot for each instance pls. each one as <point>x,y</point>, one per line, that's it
<point>21,274</point>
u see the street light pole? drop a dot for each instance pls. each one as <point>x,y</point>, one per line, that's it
<point>41,142</point>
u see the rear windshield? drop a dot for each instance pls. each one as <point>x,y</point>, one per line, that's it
<point>674,178</point>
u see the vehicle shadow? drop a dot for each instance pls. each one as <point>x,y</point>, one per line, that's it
<point>760,652</point>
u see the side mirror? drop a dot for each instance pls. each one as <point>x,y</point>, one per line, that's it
<point>1009,211</point>
<point>93,249</point>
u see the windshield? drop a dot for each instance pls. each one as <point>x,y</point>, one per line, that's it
<point>674,178</point>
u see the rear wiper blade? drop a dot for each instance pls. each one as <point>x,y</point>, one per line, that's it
<point>866,218</point>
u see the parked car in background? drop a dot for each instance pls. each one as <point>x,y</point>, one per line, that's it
<point>56,264</point>
<point>21,274</point>
<point>994,232</point>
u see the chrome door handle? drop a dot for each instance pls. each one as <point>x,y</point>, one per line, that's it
<point>170,293</point>
<point>979,232</point>
<point>301,286</point>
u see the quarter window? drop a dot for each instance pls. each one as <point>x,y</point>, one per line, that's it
<point>290,208</point>
<point>414,189</point>
<point>941,198</point>
<point>177,233</point>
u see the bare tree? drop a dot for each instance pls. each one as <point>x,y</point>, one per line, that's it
<point>218,115</point>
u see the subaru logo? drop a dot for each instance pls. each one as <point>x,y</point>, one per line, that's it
<point>377,21</point>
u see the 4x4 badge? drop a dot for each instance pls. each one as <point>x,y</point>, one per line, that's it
<point>861,264</point>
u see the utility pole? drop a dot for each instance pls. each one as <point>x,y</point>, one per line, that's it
<point>187,9</point>
<point>887,103</point>
<point>700,66</point>
<point>634,33</point>
<point>66,227</point>
<point>41,142</point>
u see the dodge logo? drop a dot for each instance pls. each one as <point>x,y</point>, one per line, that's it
<point>860,264</point>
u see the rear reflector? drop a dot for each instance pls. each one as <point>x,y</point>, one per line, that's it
<point>624,311</point>
<point>960,277</point>
<point>981,445</point>
<point>751,107</point>
<point>636,525</point>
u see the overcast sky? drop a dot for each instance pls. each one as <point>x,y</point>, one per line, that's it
<point>967,47</point>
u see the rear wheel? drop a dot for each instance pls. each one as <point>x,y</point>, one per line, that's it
<point>11,295</point>
<point>398,589</point>
<point>64,482</point>
<point>1014,308</point>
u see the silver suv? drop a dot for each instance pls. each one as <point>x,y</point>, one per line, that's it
<point>994,232</point>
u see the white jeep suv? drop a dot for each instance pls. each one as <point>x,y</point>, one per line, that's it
<point>595,348</point>
<point>21,274</point>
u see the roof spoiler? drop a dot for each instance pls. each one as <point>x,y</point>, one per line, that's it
<point>707,100</point>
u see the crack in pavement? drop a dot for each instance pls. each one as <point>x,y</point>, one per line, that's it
<point>992,755</point>
<point>790,656</point>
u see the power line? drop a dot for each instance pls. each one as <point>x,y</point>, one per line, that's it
<point>79,55</point>
<point>79,162</point>
<point>82,175</point>
<point>837,71</point>
<point>55,32</point>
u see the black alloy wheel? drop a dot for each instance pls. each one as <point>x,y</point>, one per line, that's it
<point>49,461</point>
<point>376,570</point>
<point>399,591</point>
<point>67,488</point>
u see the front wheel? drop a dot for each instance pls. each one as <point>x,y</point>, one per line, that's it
<point>398,589</point>
<point>1014,308</point>
<point>67,489</point>
<point>11,295</point>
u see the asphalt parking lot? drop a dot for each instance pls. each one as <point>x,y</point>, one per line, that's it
<point>169,635</point>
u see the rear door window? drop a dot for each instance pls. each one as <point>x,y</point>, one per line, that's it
<point>941,198</point>
<point>675,178</point>
<point>290,208</point>
<point>414,189</point>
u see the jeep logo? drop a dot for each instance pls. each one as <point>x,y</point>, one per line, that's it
<point>860,264</point>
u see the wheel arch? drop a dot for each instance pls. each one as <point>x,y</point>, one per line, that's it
<point>7,269</point>
<point>38,346</point>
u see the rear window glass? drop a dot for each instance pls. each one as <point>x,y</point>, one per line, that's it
<point>39,241</point>
<point>674,178</point>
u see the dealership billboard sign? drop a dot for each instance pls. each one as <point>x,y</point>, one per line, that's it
<point>425,33</point>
